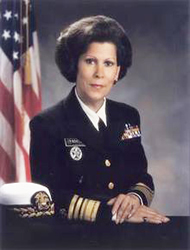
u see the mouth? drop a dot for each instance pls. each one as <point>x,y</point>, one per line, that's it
<point>96,85</point>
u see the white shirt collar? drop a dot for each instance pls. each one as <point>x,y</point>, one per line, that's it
<point>94,116</point>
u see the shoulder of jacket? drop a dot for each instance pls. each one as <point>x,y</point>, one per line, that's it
<point>123,107</point>
<point>50,115</point>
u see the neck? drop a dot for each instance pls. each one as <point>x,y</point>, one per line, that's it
<point>94,105</point>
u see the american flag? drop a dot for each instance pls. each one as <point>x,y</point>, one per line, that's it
<point>20,94</point>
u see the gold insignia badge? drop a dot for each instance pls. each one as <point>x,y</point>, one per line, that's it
<point>41,206</point>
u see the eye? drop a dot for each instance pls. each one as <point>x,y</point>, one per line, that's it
<point>109,63</point>
<point>89,60</point>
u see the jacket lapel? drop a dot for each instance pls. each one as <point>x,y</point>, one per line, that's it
<point>115,124</point>
<point>79,124</point>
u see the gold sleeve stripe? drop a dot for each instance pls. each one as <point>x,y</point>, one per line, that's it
<point>83,209</point>
<point>77,208</point>
<point>80,209</point>
<point>72,205</point>
<point>149,194</point>
<point>94,211</point>
<point>88,210</point>
<point>143,185</point>
<point>81,216</point>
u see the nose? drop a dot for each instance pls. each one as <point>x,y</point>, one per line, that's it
<point>99,72</point>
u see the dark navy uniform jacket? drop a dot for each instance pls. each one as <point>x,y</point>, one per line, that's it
<point>69,156</point>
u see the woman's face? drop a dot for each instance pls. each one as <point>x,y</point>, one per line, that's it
<point>97,72</point>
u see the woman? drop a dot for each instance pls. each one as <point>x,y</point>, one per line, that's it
<point>87,149</point>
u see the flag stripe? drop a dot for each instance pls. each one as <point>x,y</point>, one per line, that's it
<point>6,104</point>
<point>7,174</point>
<point>17,91</point>
<point>36,55</point>
<point>20,164</point>
<point>6,71</point>
<point>7,138</point>
<point>30,97</point>
<point>20,127</point>
<point>34,74</point>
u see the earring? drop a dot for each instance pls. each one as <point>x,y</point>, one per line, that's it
<point>115,81</point>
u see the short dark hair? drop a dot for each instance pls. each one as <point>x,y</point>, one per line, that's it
<point>75,39</point>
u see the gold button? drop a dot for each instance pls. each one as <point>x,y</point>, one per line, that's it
<point>111,185</point>
<point>107,163</point>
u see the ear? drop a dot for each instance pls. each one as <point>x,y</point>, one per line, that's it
<point>117,73</point>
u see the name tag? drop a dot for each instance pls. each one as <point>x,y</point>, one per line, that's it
<point>73,142</point>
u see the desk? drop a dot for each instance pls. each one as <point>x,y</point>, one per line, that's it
<point>51,233</point>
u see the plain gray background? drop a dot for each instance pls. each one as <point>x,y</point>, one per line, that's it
<point>156,84</point>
